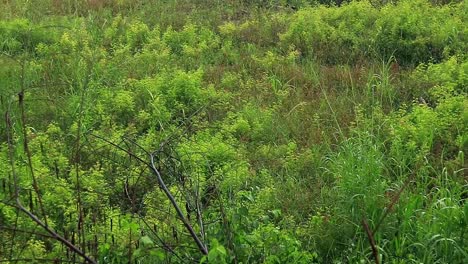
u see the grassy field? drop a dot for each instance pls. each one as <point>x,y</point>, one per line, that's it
<point>209,131</point>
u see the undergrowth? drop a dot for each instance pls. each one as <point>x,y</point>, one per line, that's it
<point>286,131</point>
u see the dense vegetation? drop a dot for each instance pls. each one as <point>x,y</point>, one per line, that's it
<point>286,131</point>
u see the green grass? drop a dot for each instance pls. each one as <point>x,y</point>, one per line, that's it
<point>287,131</point>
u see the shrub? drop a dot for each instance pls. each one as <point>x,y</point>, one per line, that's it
<point>412,36</point>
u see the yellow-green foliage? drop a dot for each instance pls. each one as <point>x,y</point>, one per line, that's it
<point>358,29</point>
<point>286,131</point>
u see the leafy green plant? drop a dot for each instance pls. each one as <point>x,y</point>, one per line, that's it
<point>293,131</point>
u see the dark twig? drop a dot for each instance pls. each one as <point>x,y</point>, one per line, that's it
<point>173,135</point>
<point>164,244</point>
<point>122,149</point>
<point>181,216</point>
<point>370,236</point>
<point>24,231</point>
<point>19,206</point>
<point>393,202</point>
<point>388,209</point>
<point>152,166</point>
<point>21,95</point>
<point>32,260</point>
<point>163,186</point>
<point>55,235</point>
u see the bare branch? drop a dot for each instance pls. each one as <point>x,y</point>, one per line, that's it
<point>370,237</point>
<point>180,214</point>
<point>21,95</point>
<point>24,231</point>
<point>19,206</point>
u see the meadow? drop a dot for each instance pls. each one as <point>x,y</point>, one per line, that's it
<point>209,131</point>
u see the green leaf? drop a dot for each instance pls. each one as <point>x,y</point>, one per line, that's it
<point>158,253</point>
<point>146,240</point>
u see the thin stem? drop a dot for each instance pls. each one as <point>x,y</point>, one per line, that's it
<point>180,214</point>
<point>19,206</point>
<point>21,95</point>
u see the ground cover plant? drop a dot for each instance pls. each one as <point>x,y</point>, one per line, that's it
<point>293,131</point>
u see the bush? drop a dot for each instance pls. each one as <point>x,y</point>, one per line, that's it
<point>332,34</point>
<point>412,37</point>
<point>411,31</point>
